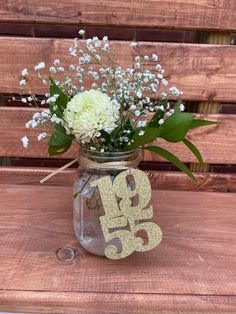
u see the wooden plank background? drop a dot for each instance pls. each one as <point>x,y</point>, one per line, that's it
<point>216,142</point>
<point>177,14</point>
<point>160,180</point>
<point>196,258</point>
<point>97,303</point>
<point>203,72</point>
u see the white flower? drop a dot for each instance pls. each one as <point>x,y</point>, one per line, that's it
<point>42,136</point>
<point>137,113</point>
<point>90,112</point>
<point>133,107</point>
<point>28,124</point>
<point>51,100</point>
<point>57,62</point>
<point>98,58</point>
<point>133,44</point>
<point>170,112</point>
<point>164,82</point>
<point>146,58</point>
<point>154,57</point>
<point>25,141</point>
<point>81,32</point>
<point>141,123</point>
<point>106,47</point>
<point>174,91</point>
<point>46,113</point>
<point>24,72</point>
<point>24,100</point>
<point>60,69</point>
<point>181,107</point>
<point>163,95</point>
<point>52,70</point>
<point>71,67</point>
<point>22,82</point>
<point>40,66</point>
<point>139,93</point>
<point>161,121</point>
<point>55,119</point>
<point>141,133</point>
<point>34,124</point>
<point>36,115</point>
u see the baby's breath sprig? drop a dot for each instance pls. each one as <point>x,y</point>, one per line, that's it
<point>97,103</point>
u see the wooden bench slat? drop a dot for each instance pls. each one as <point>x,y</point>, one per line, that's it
<point>177,14</point>
<point>203,72</point>
<point>195,257</point>
<point>217,142</point>
<point>160,180</point>
<point>97,303</point>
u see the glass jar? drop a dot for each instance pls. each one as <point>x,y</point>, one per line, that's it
<point>87,202</point>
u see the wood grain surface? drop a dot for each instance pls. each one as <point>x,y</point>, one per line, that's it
<point>160,180</point>
<point>217,142</point>
<point>118,303</point>
<point>203,72</point>
<point>193,269</point>
<point>178,14</point>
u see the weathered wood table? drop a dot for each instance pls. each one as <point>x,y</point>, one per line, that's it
<point>193,270</point>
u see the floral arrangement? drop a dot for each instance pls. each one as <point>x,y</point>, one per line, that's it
<point>96,103</point>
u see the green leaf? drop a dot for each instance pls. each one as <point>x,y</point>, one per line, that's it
<point>56,150</point>
<point>172,158</point>
<point>128,125</point>
<point>59,141</point>
<point>59,136</point>
<point>194,150</point>
<point>61,101</point>
<point>176,127</point>
<point>136,140</point>
<point>196,123</point>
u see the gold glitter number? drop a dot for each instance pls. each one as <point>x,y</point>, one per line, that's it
<point>108,196</point>
<point>117,199</point>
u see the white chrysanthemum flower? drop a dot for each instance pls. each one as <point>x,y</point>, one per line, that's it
<point>90,112</point>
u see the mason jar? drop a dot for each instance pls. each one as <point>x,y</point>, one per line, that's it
<point>88,205</point>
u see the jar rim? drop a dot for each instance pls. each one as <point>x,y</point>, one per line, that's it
<point>107,157</point>
<point>108,154</point>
